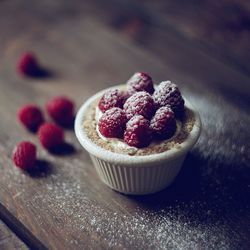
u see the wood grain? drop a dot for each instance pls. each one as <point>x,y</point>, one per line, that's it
<point>64,205</point>
<point>17,229</point>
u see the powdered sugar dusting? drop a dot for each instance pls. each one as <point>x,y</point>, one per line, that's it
<point>169,220</point>
<point>206,208</point>
<point>140,82</point>
<point>137,133</point>
<point>140,103</point>
<point>111,98</point>
<point>163,123</point>
<point>168,93</point>
<point>112,123</point>
<point>140,228</point>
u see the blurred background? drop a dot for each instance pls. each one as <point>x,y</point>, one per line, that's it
<point>223,26</point>
<point>182,34</point>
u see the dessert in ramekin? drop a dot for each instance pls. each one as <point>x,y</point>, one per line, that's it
<point>152,160</point>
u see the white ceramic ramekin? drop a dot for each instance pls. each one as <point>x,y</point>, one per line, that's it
<point>135,174</point>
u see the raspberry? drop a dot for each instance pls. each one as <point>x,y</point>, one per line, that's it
<point>61,110</point>
<point>112,123</point>
<point>167,93</point>
<point>112,98</point>
<point>50,135</point>
<point>24,155</point>
<point>140,103</point>
<point>137,133</point>
<point>140,82</point>
<point>163,123</point>
<point>28,65</point>
<point>30,116</point>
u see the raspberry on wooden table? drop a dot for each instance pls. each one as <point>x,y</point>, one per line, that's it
<point>167,93</point>
<point>112,98</point>
<point>50,135</point>
<point>163,123</point>
<point>30,116</point>
<point>61,110</point>
<point>140,103</point>
<point>138,132</point>
<point>140,81</point>
<point>28,65</point>
<point>112,123</point>
<point>24,155</point>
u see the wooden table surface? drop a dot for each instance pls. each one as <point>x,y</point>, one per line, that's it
<point>90,46</point>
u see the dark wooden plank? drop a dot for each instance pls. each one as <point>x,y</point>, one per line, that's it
<point>8,240</point>
<point>67,206</point>
<point>19,230</point>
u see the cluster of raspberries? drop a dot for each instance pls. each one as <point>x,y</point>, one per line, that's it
<point>51,135</point>
<point>141,114</point>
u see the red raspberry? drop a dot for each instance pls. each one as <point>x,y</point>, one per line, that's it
<point>61,110</point>
<point>50,135</point>
<point>112,123</point>
<point>24,155</point>
<point>140,82</point>
<point>167,93</point>
<point>137,133</point>
<point>163,123</point>
<point>28,65</point>
<point>30,116</point>
<point>111,98</point>
<point>140,103</point>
